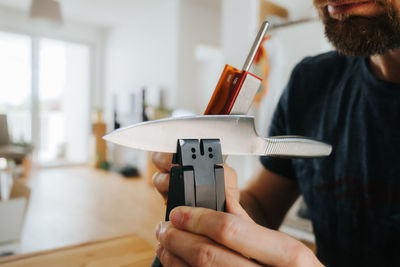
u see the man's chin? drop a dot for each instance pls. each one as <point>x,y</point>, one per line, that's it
<point>363,36</point>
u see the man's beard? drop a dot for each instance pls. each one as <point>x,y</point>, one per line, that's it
<point>362,36</point>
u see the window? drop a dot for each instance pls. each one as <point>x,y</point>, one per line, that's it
<point>45,89</point>
<point>63,101</point>
<point>15,84</point>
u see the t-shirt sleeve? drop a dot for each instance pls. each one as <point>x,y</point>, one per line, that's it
<point>280,126</point>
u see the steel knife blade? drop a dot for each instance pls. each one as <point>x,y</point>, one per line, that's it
<point>237,134</point>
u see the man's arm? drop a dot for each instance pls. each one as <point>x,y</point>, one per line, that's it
<point>268,197</point>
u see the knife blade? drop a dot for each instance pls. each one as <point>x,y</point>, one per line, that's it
<point>237,134</point>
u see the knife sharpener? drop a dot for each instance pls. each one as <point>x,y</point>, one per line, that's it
<point>234,93</point>
<point>236,89</point>
<point>198,179</point>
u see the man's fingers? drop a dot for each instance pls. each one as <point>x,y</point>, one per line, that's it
<point>231,181</point>
<point>234,207</point>
<point>163,161</point>
<point>232,193</point>
<point>245,237</point>
<point>168,259</point>
<point>161,182</point>
<point>198,250</point>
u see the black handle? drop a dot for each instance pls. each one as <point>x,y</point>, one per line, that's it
<point>156,262</point>
<point>198,181</point>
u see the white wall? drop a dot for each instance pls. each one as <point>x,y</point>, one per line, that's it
<point>75,99</point>
<point>239,28</point>
<point>199,25</point>
<point>142,50</point>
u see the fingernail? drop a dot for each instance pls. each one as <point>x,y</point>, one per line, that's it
<point>159,251</point>
<point>176,217</point>
<point>158,227</point>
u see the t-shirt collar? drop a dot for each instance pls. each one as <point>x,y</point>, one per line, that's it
<point>378,83</point>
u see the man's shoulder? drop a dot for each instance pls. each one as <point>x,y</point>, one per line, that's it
<point>315,77</point>
<point>330,61</point>
<point>321,73</point>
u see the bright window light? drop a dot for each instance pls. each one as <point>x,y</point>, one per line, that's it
<point>15,84</point>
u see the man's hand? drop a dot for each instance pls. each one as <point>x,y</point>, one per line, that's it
<point>163,162</point>
<point>203,237</point>
<point>161,181</point>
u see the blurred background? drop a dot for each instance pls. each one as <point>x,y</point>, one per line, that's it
<point>72,70</point>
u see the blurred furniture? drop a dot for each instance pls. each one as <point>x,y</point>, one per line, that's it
<point>99,130</point>
<point>269,9</point>
<point>123,251</point>
<point>12,213</point>
<point>17,153</point>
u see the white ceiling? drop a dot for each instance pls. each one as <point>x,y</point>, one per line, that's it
<point>97,12</point>
<point>109,12</point>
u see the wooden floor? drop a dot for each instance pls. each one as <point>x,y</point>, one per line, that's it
<point>73,205</point>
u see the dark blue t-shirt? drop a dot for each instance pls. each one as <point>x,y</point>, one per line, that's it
<point>354,194</point>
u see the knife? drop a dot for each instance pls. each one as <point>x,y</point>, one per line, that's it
<point>237,134</point>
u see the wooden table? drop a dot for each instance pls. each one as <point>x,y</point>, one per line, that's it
<point>123,251</point>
